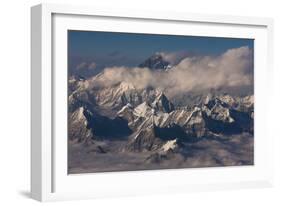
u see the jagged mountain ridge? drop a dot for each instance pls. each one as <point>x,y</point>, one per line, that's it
<point>116,96</point>
<point>147,117</point>
<point>214,117</point>
<point>112,98</point>
<point>150,125</point>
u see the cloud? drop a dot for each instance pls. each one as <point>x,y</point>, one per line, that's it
<point>139,77</point>
<point>81,66</point>
<point>231,69</point>
<point>86,65</point>
<point>174,57</point>
<point>92,65</point>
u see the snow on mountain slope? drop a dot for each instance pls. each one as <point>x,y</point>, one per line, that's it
<point>248,101</point>
<point>170,145</point>
<point>161,103</point>
<point>78,126</point>
<point>219,110</point>
<point>151,116</point>
<point>143,110</point>
<point>145,139</point>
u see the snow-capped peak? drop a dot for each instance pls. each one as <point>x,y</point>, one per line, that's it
<point>143,110</point>
<point>208,98</point>
<point>156,61</point>
<point>79,116</point>
<point>161,103</point>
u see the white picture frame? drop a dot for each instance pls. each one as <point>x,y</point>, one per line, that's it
<point>49,181</point>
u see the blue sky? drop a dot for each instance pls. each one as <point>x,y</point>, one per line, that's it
<point>128,49</point>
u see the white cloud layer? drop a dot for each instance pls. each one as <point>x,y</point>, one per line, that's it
<point>231,69</point>
<point>174,57</point>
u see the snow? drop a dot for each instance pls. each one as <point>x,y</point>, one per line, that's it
<point>169,145</point>
<point>111,96</point>
<point>227,99</point>
<point>219,112</point>
<point>124,86</point>
<point>80,114</point>
<point>157,100</point>
<point>208,98</point>
<point>72,80</point>
<point>83,85</point>
<point>195,119</point>
<point>160,118</point>
<point>248,100</point>
<point>127,106</point>
<point>168,67</point>
<point>180,115</point>
<point>143,110</point>
<point>159,95</point>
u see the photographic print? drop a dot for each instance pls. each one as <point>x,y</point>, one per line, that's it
<point>150,101</point>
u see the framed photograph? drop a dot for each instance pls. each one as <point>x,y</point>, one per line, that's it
<point>137,102</point>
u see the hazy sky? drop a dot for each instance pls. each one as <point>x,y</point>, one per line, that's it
<point>96,50</point>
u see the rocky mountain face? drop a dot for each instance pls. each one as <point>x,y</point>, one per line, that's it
<point>79,129</point>
<point>156,62</point>
<point>148,121</point>
<point>149,117</point>
<point>214,117</point>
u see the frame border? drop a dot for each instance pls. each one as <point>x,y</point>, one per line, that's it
<point>42,154</point>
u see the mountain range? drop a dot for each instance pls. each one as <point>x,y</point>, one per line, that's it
<point>147,121</point>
